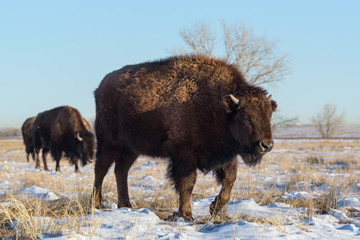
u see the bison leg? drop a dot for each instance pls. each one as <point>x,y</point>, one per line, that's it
<point>27,155</point>
<point>104,158</point>
<point>45,152</point>
<point>33,154</point>
<point>74,160</point>
<point>56,154</point>
<point>37,160</point>
<point>122,166</point>
<point>37,147</point>
<point>226,175</point>
<point>183,175</point>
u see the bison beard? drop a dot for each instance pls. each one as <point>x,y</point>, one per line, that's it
<point>197,111</point>
<point>251,159</point>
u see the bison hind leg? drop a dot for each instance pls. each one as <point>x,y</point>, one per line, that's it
<point>105,156</point>
<point>123,163</point>
<point>45,153</point>
<point>226,175</point>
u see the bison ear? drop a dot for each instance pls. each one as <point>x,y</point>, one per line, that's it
<point>273,105</point>
<point>272,102</point>
<point>231,103</point>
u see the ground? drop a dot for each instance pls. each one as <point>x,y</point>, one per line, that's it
<point>303,189</point>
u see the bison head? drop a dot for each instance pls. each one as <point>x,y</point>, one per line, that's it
<point>250,124</point>
<point>86,144</point>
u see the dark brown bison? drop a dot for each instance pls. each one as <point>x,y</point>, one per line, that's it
<point>197,111</point>
<point>63,130</point>
<point>27,133</point>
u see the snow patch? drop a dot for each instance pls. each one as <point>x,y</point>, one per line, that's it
<point>38,192</point>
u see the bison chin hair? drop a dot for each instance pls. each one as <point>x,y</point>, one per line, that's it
<point>251,159</point>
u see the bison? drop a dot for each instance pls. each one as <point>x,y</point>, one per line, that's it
<point>63,130</point>
<point>197,111</point>
<point>27,133</point>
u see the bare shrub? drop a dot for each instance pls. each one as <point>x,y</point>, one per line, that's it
<point>327,121</point>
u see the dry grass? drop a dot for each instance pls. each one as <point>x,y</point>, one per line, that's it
<point>293,165</point>
<point>34,216</point>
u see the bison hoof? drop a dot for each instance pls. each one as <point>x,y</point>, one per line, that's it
<point>212,209</point>
<point>125,205</point>
<point>188,218</point>
<point>176,216</point>
<point>220,214</point>
<point>215,208</point>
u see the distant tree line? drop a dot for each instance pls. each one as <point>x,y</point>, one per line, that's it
<point>10,132</point>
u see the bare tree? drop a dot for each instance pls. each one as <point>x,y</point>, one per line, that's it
<point>327,120</point>
<point>200,39</point>
<point>255,57</point>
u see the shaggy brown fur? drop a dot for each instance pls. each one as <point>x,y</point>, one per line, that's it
<point>26,130</point>
<point>63,130</point>
<point>180,108</point>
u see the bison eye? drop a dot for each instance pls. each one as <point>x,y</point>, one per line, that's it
<point>245,117</point>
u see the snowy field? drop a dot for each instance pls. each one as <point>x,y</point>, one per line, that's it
<point>303,189</point>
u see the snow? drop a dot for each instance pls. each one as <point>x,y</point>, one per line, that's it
<point>38,192</point>
<point>248,220</point>
<point>144,224</point>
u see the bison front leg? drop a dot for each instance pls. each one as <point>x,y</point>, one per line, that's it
<point>226,175</point>
<point>185,188</point>
<point>184,178</point>
<point>74,160</point>
<point>122,166</point>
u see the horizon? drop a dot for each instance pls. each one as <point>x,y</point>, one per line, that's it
<point>57,53</point>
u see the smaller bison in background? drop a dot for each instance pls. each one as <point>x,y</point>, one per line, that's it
<point>197,111</point>
<point>63,130</point>
<point>27,133</point>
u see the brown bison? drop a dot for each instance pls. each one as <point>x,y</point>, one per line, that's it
<point>63,130</point>
<point>197,111</point>
<point>27,133</point>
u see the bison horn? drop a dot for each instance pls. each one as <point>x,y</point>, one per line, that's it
<point>234,99</point>
<point>78,137</point>
<point>269,97</point>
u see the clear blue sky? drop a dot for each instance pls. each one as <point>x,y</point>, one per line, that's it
<point>56,52</point>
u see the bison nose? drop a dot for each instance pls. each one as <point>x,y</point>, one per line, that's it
<point>266,145</point>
